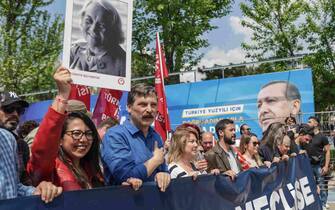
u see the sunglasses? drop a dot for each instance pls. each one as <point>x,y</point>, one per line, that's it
<point>78,134</point>
<point>10,109</point>
<point>255,143</point>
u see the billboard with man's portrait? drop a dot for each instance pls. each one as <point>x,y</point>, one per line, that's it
<point>257,100</point>
<point>97,42</point>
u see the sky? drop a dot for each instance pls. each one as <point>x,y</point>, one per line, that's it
<point>224,42</point>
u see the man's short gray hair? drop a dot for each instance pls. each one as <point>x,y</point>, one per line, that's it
<point>291,92</point>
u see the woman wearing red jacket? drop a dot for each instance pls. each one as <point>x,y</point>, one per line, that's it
<point>66,147</point>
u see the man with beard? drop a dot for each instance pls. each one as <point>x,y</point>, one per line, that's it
<point>11,108</point>
<point>245,130</point>
<point>318,151</point>
<point>304,134</point>
<point>134,149</point>
<point>276,101</point>
<point>223,156</point>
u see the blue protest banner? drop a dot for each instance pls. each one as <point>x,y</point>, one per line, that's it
<point>286,185</point>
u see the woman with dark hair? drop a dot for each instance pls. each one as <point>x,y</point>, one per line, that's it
<point>102,30</point>
<point>66,147</point>
<point>248,155</point>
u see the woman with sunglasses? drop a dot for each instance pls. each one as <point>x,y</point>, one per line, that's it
<point>66,147</point>
<point>248,155</point>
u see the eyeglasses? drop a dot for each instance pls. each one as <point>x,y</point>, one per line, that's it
<point>78,134</point>
<point>10,109</point>
<point>248,129</point>
<point>255,143</point>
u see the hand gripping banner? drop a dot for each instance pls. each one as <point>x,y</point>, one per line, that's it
<point>286,185</point>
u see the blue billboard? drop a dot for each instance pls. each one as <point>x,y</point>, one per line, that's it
<point>205,103</point>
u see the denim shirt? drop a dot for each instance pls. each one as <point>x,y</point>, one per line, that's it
<point>10,186</point>
<point>124,151</point>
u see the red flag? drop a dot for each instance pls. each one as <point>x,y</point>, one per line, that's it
<point>162,122</point>
<point>81,93</point>
<point>107,105</point>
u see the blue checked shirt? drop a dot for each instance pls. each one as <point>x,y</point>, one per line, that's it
<point>10,186</point>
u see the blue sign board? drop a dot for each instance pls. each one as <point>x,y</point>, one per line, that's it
<point>205,103</point>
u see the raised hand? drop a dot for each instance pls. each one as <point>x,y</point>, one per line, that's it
<point>62,77</point>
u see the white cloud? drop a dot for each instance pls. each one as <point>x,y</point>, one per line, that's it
<point>235,24</point>
<point>191,77</point>
<point>215,56</point>
<point>221,57</point>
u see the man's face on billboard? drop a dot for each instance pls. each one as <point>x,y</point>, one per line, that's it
<point>273,106</point>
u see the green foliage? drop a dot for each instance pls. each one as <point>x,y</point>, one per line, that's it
<point>30,45</point>
<point>281,27</point>
<point>181,24</point>
<point>320,36</point>
<point>276,32</point>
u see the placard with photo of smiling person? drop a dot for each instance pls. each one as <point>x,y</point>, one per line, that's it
<point>97,42</point>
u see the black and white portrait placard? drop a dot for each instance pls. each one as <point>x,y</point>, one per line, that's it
<point>97,42</point>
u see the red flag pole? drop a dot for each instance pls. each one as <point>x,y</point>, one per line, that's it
<point>161,70</point>
<point>160,60</point>
<point>162,124</point>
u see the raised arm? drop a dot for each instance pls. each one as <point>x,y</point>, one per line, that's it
<point>46,142</point>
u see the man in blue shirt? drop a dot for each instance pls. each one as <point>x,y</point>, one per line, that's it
<point>134,149</point>
<point>10,186</point>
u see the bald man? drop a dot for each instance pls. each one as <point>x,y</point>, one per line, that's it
<point>207,139</point>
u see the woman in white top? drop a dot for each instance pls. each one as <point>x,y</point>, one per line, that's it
<point>182,153</point>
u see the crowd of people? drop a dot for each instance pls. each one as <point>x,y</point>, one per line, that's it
<point>67,151</point>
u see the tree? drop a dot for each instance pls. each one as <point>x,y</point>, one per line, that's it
<point>320,36</point>
<point>279,29</point>
<point>275,25</point>
<point>181,24</point>
<point>31,42</point>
